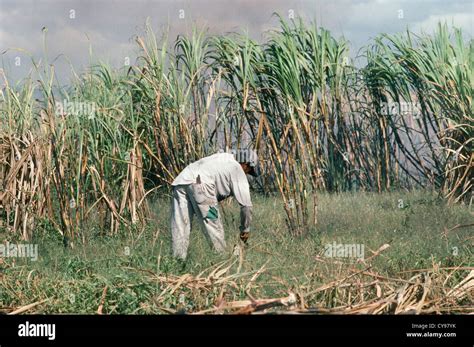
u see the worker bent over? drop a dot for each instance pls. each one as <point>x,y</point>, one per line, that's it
<point>197,191</point>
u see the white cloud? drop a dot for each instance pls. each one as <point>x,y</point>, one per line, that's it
<point>460,20</point>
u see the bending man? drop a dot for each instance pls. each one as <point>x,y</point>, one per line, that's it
<point>197,191</point>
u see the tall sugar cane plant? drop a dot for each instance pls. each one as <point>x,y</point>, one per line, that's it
<point>425,84</point>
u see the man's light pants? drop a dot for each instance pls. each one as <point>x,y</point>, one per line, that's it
<point>189,200</point>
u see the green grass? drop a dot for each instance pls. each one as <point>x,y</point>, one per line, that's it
<point>74,279</point>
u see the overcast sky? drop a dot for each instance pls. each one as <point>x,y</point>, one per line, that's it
<point>109,26</point>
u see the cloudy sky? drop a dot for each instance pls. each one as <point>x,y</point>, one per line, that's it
<point>108,27</point>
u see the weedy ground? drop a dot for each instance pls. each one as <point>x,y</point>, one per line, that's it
<point>133,272</point>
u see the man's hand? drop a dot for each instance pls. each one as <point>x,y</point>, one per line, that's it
<point>244,236</point>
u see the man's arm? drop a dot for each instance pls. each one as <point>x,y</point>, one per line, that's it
<point>241,192</point>
<point>245,218</point>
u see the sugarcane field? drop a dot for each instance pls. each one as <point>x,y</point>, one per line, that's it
<point>205,171</point>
